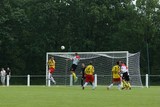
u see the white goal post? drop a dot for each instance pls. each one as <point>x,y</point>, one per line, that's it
<point>102,61</point>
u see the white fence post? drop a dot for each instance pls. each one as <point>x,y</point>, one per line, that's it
<point>147,80</point>
<point>71,80</point>
<point>28,80</point>
<point>49,80</point>
<point>95,80</point>
<point>8,80</point>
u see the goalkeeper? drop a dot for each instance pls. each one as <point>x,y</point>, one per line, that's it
<point>83,72</point>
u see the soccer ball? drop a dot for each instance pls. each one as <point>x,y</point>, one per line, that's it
<point>62,47</point>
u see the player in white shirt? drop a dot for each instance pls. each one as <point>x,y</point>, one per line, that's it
<point>125,76</point>
<point>75,61</point>
<point>3,76</point>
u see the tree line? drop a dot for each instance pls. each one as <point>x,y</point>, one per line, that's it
<point>30,28</point>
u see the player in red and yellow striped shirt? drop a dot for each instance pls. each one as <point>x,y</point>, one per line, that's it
<point>51,65</point>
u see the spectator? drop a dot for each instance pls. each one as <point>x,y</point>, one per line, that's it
<point>8,72</point>
<point>3,76</point>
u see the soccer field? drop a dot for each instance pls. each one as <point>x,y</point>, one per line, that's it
<point>63,96</point>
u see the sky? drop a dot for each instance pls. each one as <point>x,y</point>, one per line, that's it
<point>134,1</point>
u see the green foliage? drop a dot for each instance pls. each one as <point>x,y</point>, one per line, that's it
<point>30,28</point>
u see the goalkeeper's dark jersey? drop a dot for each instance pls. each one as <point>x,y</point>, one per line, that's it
<point>83,71</point>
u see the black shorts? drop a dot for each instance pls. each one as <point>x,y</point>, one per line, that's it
<point>125,76</point>
<point>73,67</point>
<point>83,77</point>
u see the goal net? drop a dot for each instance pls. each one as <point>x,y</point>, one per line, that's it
<point>102,61</point>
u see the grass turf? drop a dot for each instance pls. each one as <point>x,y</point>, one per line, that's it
<point>63,96</point>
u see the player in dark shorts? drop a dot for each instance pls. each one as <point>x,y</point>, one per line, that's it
<point>75,61</point>
<point>73,67</point>
<point>125,76</point>
<point>83,74</point>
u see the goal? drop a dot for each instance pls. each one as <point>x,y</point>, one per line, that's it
<point>102,61</point>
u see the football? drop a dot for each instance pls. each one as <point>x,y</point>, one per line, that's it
<point>62,47</point>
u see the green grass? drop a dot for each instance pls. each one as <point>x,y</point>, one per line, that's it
<point>39,96</point>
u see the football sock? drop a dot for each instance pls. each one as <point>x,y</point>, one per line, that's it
<point>110,85</point>
<point>93,86</point>
<point>85,84</point>
<point>129,85</point>
<point>125,84</point>
<point>52,79</point>
<point>74,76</point>
<point>119,86</point>
<point>81,81</point>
